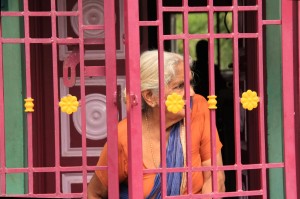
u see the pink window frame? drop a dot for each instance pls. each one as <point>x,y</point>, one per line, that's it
<point>132,25</point>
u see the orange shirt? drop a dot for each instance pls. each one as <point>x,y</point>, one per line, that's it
<point>200,135</point>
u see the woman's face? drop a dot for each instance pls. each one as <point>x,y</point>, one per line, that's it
<point>176,85</point>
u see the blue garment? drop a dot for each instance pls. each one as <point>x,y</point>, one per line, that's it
<point>191,102</point>
<point>123,191</point>
<point>174,159</point>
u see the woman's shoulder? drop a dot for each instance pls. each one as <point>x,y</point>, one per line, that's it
<point>199,103</point>
<point>198,97</point>
<point>122,125</point>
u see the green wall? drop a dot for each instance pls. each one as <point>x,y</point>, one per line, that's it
<point>274,96</point>
<point>14,95</point>
<point>12,27</point>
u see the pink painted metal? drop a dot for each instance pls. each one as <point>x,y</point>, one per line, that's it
<point>211,36</point>
<point>83,96</point>
<point>111,90</point>
<point>261,108</point>
<point>94,71</point>
<point>28,94</point>
<point>73,60</point>
<point>56,109</point>
<point>160,44</point>
<point>132,25</point>
<point>211,74</point>
<point>69,65</point>
<point>187,96</point>
<point>133,102</point>
<point>236,98</point>
<point>84,72</point>
<point>288,57</point>
<point>2,121</point>
<point>298,108</point>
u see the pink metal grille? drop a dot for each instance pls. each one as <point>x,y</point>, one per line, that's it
<point>2,130</point>
<point>262,166</point>
<point>132,25</point>
<point>133,105</point>
<point>288,38</point>
<point>111,94</point>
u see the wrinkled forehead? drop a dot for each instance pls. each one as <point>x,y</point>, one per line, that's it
<point>180,68</point>
<point>179,72</point>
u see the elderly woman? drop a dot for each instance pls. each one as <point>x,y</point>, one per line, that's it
<point>175,135</point>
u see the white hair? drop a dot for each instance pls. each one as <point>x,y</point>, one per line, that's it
<point>149,69</point>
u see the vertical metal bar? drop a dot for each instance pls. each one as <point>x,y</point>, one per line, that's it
<point>298,97</point>
<point>111,85</point>
<point>211,74</point>
<point>211,48</point>
<point>28,94</point>
<point>298,31</point>
<point>236,96</point>
<point>2,121</point>
<point>55,99</point>
<point>82,92</point>
<point>261,107</point>
<point>160,45</point>
<point>134,123</point>
<point>288,98</point>
<point>187,98</point>
<point>218,41</point>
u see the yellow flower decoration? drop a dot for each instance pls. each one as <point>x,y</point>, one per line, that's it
<point>249,100</point>
<point>69,104</point>
<point>174,103</point>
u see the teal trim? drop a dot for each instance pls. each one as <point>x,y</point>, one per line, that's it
<point>15,131</point>
<point>274,99</point>
<point>273,10</point>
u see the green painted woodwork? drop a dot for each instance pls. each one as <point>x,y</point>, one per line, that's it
<point>274,99</point>
<point>12,27</point>
<point>15,93</point>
